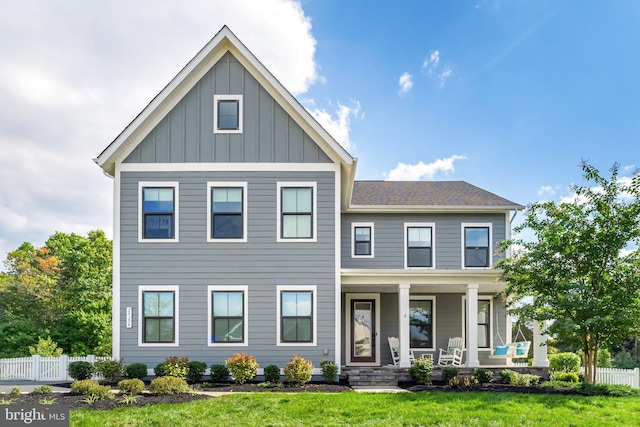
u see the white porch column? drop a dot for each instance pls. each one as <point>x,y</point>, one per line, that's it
<point>403,322</point>
<point>472,325</point>
<point>539,346</point>
<point>508,335</point>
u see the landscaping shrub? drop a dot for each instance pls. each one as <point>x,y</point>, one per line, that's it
<point>564,362</point>
<point>45,389</point>
<point>16,390</point>
<point>527,380</point>
<point>448,373</point>
<point>272,374</point>
<point>242,367</point>
<point>168,385</point>
<point>219,373</point>
<point>508,376</point>
<point>80,370</point>
<point>110,370</point>
<point>483,375</point>
<point>92,389</point>
<point>160,370</point>
<point>329,371</point>
<point>570,377</point>
<point>299,370</point>
<point>176,366</point>
<point>131,387</point>
<point>135,370</point>
<point>196,371</point>
<point>465,381</point>
<point>421,370</point>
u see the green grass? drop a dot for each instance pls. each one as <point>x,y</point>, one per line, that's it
<point>406,409</point>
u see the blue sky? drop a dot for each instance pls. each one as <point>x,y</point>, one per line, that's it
<point>507,95</point>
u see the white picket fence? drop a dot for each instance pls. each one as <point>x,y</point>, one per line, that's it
<point>38,368</point>
<point>630,377</point>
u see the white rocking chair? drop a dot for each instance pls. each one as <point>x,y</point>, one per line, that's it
<point>453,354</point>
<point>394,346</point>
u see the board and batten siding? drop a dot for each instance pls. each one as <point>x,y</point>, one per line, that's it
<point>268,135</point>
<point>389,250</point>
<point>261,263</point>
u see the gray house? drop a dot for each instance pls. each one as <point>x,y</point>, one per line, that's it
<point>239,228</point>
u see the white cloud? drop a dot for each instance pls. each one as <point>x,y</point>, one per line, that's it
<point>420,170</point>
<point>406,83</point>
<point>445,75</point>
<point>430,63</point>
<point>546,189</point>
<point>339,125</point>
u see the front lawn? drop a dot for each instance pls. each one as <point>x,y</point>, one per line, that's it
<point>404,409</point>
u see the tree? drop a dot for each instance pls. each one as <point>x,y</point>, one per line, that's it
<point>577,269</point>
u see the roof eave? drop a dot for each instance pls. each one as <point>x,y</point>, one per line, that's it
<point>432,208</point>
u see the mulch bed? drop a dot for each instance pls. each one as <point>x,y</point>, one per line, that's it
<point>488,387</point>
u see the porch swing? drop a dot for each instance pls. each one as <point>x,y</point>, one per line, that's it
<point>515,349</point>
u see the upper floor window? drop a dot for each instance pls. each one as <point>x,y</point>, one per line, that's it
<point>158,211</point>
<point>419,245</point>
<point>296,315</point>
<point>227,315</point>
<point>362,243</point>
<point>477,238</point>
<point>227,216</point>
<point>227,114</point>
<point>158,315</point>
<point>296,211</point>
<point>422,322</point>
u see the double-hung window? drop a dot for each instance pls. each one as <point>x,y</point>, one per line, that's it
<point>484,326</point>
<point>227,218</point>
<point>422,322</point>
<point>296,211</point>
<point>476,245</point>
<point>158,211</point>
<point>227,114</point>
<point>297,315</point>
<point>158,315</point>
<point>419,245</point>
<point>228,315</point>
<point>362,238</point>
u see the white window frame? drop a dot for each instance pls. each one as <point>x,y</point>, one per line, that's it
<point>223,184</point>
<point>217,98</point>
<point>431,225</point>
<point>176,312</point>
<point>245,321</point>
<point>176,209</point>
<point>462,243</point>
<point>431,298</point>
<point>355,225</point>
<point>314,314</point>
<point>491,321</point>
<point>314,214</point>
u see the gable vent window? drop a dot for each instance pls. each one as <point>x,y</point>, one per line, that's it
<point>227,113</point>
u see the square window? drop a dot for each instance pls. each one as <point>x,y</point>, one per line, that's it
<point>227,113</point>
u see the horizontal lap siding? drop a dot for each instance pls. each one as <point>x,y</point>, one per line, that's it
<point>261,263</point>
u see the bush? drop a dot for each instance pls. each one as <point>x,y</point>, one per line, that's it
<point>299,370</point>
<point>15,391</point>
<point>624,360</point>
<point>483,375</point>
<point>272,374</point>
<point>329,371</point>
<point>81,370</point>
<point>46,348</point>
<point>176,366</point>
<point>570,377</point>
<point>448,373</point>
<point>421,370</point>
<point>131,387</point>
<point>160,370</point>
<point>168,385</point>
<point>45,389</point>
<point>135,370</point>
<point>512,377</point>
<point>242,367</point>
<point>564,362</point>
<point>219,373</point>
<point>196,371</point>
<point>465,381</point>
<point>92,389</point>
<point>110,370</point>
<point>508,376</point>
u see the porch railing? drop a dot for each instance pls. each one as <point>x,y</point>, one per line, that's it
<point>38,368</point>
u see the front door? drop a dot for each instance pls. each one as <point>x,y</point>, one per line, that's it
<point>363,330</point>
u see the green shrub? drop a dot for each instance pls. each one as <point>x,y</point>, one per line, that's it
<point>131,387</point>
<point>91,389</point>
<point>160,370</point>
<point>570,377</point>
<point>176,366</point>
<point>508,376</point>
<point>196,371</point>
<point>299,370</point>
<point>607,390</point>
<point>465,381</point>
<point>272,374</point>
<point>512,377</point>
<point>421,370</point>
<point>168,385</point>
<point>81,370</point>
<point>624,360</point>
<point>135,370</point>
<point>448,373</point>
<point>219,373</point>
<point>16,390</point>
<point>46,348</point>
<point>45,389</point>
<point>110,370</point>
<point>483,375</point>
<point>564,362</point>
<point>329,371</point>
<point>242,367</point>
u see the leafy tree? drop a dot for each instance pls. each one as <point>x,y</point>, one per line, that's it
<point>576,270</point>
<point>46,347</point>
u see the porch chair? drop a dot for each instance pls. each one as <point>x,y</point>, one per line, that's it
<point>453,354</point>
<point>394,346</point>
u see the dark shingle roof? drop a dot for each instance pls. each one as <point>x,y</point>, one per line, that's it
<point>426,193</point>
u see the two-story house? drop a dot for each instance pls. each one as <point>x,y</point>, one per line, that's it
<point>239,227</point>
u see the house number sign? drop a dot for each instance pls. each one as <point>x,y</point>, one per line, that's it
<point>129,317</point>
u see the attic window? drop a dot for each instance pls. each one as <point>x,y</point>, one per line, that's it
<point>227,113</point>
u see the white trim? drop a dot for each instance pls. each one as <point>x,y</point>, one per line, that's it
<point>314,209</point>
<point>481,297</point>
<point>225,184</point>
<point>314,315</point>
<point>229,167</point>
<point>431,225</point>
<point>217,98</point>
<point>176,209</point>
<point>348,298</point>
<point>431,298</point>
<point>337,243</point>
<point>245,315</point>
<point>115,273</point>
<point>353,239</point>
<point>176,314</point>
<point>462,243</point>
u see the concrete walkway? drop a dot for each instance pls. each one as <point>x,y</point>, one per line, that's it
<point>28,386</point>
<point>379,389</point>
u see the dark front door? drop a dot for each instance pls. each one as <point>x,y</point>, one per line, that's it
<point>363,331</point>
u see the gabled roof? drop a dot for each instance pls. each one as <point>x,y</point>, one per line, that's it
<point>426,195</point>
<point>189,76</point>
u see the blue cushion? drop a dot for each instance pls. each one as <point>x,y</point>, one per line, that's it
<point>501,350</point>
<point>520,349</point>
